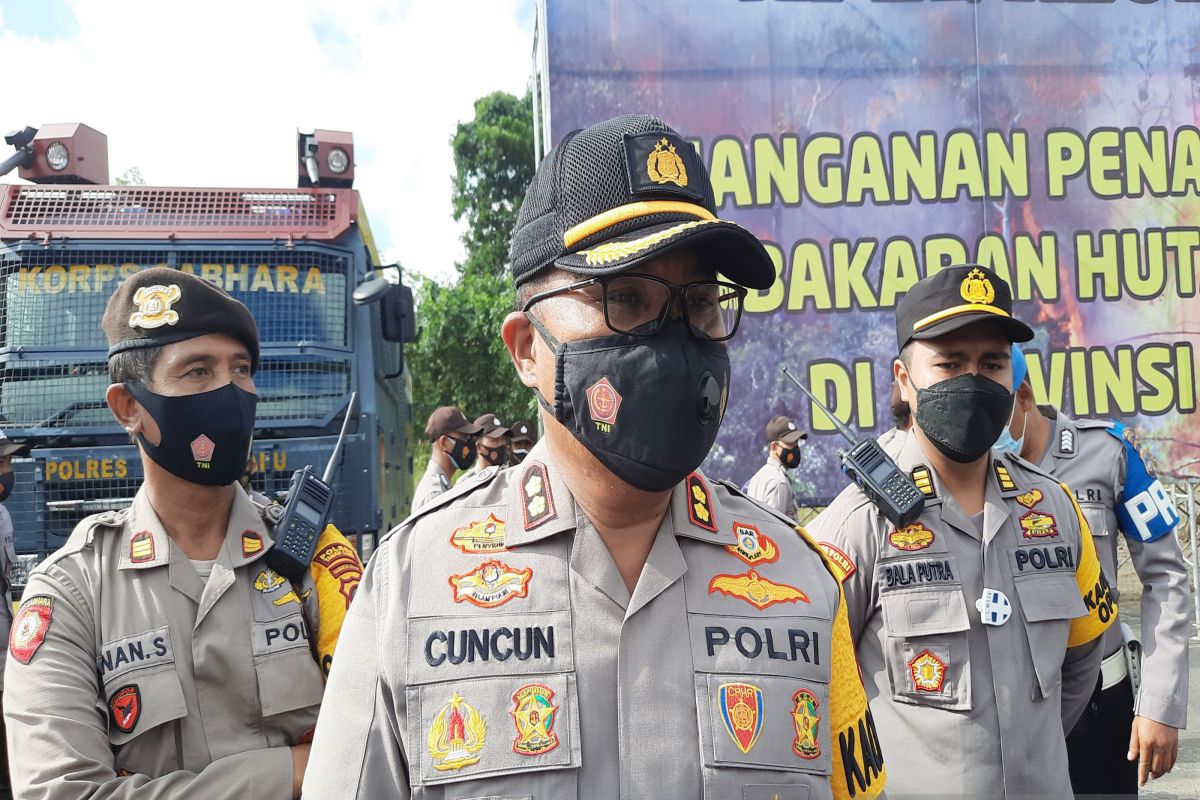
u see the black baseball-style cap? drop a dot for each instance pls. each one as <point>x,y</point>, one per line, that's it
<point>623,192</point>
<point>953,298</point>
<point>449,419</point>
<point>522,432</point>
<point>10,448</point>
<point>782,429</point>
<point>159,306</point>
<point>491,426</point>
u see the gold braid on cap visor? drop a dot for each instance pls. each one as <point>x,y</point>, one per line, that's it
<point>925,322</point>
<point>630,211</point>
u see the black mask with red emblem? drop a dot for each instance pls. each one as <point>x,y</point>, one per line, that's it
<point>648,408</point>
<point>494,456</point>
<point>790,457</point>
<point>462,453</point>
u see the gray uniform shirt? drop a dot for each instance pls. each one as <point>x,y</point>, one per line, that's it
<point>977,710</point>
<point>1085,456</point>
<point>8,560</point>
<point>432,483</point>
<point>771,487</point>
<point>143,681</point>
<point>493,650</point>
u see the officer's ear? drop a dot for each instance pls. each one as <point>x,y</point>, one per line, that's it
<point>519,337</point>
<point>900,373</point>
<point>1025,397</point>
<point>129,413</point>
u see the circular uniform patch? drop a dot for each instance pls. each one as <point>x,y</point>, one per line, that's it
<point>30,627</point>
<point>125,707</point>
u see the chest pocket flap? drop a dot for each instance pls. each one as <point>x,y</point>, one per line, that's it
<point>925,612</point>
<point>142,701</point>
<point>1049,603</point>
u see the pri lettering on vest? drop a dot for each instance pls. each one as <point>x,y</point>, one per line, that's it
<point>489,644</point>
<point>753,643</point>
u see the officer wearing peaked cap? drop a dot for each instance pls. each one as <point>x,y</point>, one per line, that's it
<point>771,485</point>
<point>978,626</point>
<point>1128,733</point>
<point>603,620</point>
<point>491,446</point>
<point>451,447</point>
<point>155,655</point>
<point>521,440</point>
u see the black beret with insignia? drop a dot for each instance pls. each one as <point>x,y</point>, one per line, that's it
<point>953,298</point>
<point>160,306</point>
<point>623,192</point>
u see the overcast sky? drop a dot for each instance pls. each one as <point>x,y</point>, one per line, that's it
<point>211,93</point>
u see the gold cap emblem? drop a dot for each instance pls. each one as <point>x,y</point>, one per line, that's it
<point>976,288</point>
<point>665,166</point>
<point>154,306</point>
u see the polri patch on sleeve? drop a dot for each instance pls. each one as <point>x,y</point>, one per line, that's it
<point>30,627</point>
<point>843,566</point>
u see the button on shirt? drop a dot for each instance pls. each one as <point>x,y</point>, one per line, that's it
<point>771,487</point>
<point>493,650</point>
<point>976,710</point>
<point>141,680</point>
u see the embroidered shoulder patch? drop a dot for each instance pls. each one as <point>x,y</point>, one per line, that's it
<point>481,536</point>
<point>534,715</point>
<point>753,547</point>
<point>699,503</point>
<point>29,627</point>
<point>125,707</point>
<point>741,707</point>
<point>755,590</point>
<point>457,734</point>
<point>1036,525</point>
<point>911,537</point>
<point>805,721</point>
<point>1031,498</point>
<point>843,566</point>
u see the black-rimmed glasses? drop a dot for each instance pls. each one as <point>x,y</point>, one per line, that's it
<point>638,305</point>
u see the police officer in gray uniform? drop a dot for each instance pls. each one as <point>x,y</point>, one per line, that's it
<point>491,446</point>
<point>603,620</point>
<point>155,655</point>
<point>771,485</point>
<point>451,447</point>
<point>8,557</point>
<point>978,625</point>
<point>1121,739</point>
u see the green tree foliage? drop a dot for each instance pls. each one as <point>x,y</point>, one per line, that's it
<point>459,357</point>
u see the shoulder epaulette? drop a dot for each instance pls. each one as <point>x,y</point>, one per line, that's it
<point>461,489</point>
<point>1095,423</point>
<point>923,480</point>
<point>737,492</point>
<point>1016,461</point>
<point>84,534</point>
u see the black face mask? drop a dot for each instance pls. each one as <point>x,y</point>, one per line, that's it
<point>6,485</point>
<point>463,453</point>
<point>517,456</point>
<point>648,408</point>
<point>790,458</point>
<point>205,437</point>
<point>963,416</point>
<point>492,455</point>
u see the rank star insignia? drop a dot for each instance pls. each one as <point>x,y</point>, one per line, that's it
<point>699,503</point>
<point>141,547</point>
<point>753,547</point>
<point>757,591</point>
<point>1031,498</point>
<point>976,288</point>
<point>1036,525</point>
<point>30,626</point>
<point>456,735</point>
<point>911,537</point>
<point>483,536</point>
<point>125,706</point>
<point>805,721</point>
<point>741,707</point>
<point>491,584</point>
<point>664,165</point>
<point>154,306</point>
<point>928,672</point>
<point>534,715</point>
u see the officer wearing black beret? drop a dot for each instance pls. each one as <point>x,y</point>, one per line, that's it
<point>206,664</point>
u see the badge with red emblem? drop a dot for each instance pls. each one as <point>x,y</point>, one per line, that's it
<point>202,449</point>
<point>125,706</point>
<point>29,627</point>
<point>603,404</point>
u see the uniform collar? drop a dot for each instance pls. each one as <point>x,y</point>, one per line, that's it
<point>540,505</point>
<point>433,469</point>
<point>145,542</point>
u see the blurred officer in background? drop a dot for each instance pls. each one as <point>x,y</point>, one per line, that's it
<point>603,620</point>
<point>491,446</point>
<point>156,655</point>
<point>771,485</point>
<point>451,448</point>
<point>1127,734</point>
<point>8,560</point>
<point>521,441</point>
<point>979,625</point>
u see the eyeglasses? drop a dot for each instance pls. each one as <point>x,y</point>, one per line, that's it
<point>638,305</point>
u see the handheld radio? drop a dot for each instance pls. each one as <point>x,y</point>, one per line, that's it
<point>309,503</point>
<point>889,488</point>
